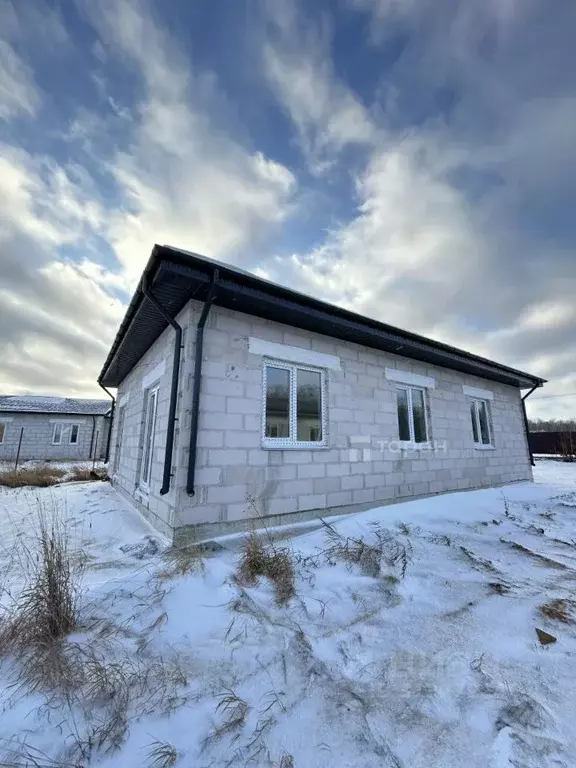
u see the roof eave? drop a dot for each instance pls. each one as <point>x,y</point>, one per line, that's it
<point>243,288</point>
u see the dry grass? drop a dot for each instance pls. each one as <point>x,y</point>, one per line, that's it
<point>42,477</point>
<point>559,610</point>
<point>182,561</point>
<point>45,475</point>
<point>235,711</point>
<point>383,547</point>
<point>542,560</point>
<point>275,563</point>
<point>77,473</point>
<point>46,609</point>
<point>162,754</point>
<point>287,761</point>
<point>480,563</point>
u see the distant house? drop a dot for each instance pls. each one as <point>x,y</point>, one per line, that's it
<point>241,401</point>
<point>53,428</point>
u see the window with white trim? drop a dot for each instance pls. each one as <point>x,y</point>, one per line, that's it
<point>3,430</point>
<point>149,431</point>
<point>294,406</point>
<point>412,421</point>
<point>74,431</point>
<point>481,428</point>
<point>57,434</point>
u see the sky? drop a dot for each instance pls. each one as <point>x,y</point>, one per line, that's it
<point>412,160</point>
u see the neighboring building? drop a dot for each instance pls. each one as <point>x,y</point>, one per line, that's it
<point>53,428</point>
<point>293,407</point>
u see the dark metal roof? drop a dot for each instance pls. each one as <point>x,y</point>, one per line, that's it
<point>176,276</point>
<point>46,404</point>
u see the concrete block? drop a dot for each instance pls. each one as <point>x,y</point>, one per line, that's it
<point>311,470</point>
<point>352,482</point>
<point>326,484</point>
<point>339,499</point>
<point>230,494</point>
<point>242,439</point>
<point>314,501</point>
<point>242,405</point>
<point>227,457</point>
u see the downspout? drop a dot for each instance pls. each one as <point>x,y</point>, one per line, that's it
<point>174,388</point>
<point>526,428</point>
<point>107,454</point>
<point>92,436</point>
<point>196,386</point>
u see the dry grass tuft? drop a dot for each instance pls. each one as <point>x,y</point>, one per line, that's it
<point>368,555</point>
<point>275,563</point>
<point>182,561</point>
<point>559,610</point>
<point>77,473</point>
<point>47,608</point>
<point>542,560</point>
<point>235,711</point>
<point>162,754</point>
<point>42,477</point>
<point>287,761</point>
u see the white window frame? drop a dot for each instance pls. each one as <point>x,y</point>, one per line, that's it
<point>291,443</point>
<point>4,424</point>
<point>475,402</point>
<point>77,441</point>
<point>149,436</point>
<point>57,424</point>
<point>411,442</point>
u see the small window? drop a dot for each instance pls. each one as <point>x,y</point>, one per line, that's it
<point>481,429</point>
<point>149,430</point>
<point>412,422</point>
<point>57,434</point>
<point>74,429</point>
<point>3,429</point>
<point>294,407</point>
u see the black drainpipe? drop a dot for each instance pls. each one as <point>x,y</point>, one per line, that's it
<point>196,386</point>
<point>107,455</point>
<point>174,388</point>
<point>526,396</point>
<point>92,436</point>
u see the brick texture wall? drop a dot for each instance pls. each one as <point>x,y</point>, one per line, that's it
<point>237,479</point>
<point>38,432</point>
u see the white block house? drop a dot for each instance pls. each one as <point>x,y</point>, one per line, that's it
<point>241,401</point>
<point>53,428</point>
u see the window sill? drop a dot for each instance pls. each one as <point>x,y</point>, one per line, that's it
<point>484,447</point>
<point>295,447</point>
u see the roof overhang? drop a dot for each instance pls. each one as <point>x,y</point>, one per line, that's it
<point>177,276</point>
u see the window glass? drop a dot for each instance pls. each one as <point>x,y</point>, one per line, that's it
<point>74,433</point>
<point>149,436</point>
<point>294,409</point>
<point>57,435</point>
<point>309,405</point>
<point>403,420</point>
<point>483,418</point>
<point>2,431</point>
<point>418,415</point>
<point>277,402</point>
<point>473,414</point>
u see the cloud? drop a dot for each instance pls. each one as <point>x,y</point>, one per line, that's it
<point>57,317</point>
<point>176,176</point>
<point>327,115</point>
<point>18,92</point>
<point>183,180</point>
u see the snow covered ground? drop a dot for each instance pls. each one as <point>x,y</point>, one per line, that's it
<point>428,657</point>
